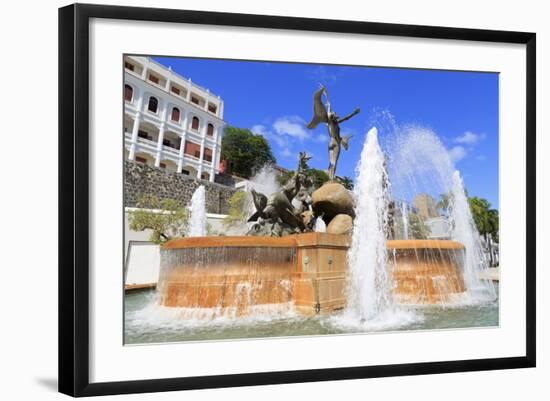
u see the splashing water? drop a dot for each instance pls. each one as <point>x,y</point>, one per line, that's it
<point>265,180</point>
<point>369,287</point>
<point>465,231</point>
<point>197,221</point>
<point>405,217</point>
<point>420,164</point>
<point>320,225</point>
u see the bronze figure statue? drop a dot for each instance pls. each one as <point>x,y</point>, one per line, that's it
<point>275,214</point>
<point>324,113</point>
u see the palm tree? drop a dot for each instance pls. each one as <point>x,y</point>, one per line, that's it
<point>486,221</point>
<point>493,227</point>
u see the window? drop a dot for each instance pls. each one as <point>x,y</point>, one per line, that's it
<point>144,135</point>
<point>166,142</point>
<point>210,130</point>
<point>195,99</point>
<point>141,160</point>
<point>153,104</point>
<point>128,66</point>
<point>175,114</point>
<point>185,172</point>
<point>212,108</point>
<point>162,165</point>
<point>175,90</point>
<point>154,79</point>
<point>128,93</point>
<point>192,149</point>
<point>195,123</point>
<point>208,154</point>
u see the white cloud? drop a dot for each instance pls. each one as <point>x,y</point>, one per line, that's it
<point>457,153</point>
<point>322,74</point>
<point>469,138</point>
<point>259,129</point>
<point>291,126</point>
<point>284,132</point>
<point>287,153</point>
<point>322,138</point>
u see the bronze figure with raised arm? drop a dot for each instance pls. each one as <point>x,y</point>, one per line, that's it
<point>324,114</point>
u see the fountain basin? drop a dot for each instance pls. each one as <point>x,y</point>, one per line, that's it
<point>308,271</point>
<point>426,271</point>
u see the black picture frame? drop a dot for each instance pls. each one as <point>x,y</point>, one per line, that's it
<point>74,198</point>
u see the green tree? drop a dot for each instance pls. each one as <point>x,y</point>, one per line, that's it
<point>245,152</point>
<point>283,178</point>
<point>347,182</point>
<point>417,228</point>
<point>318,177</point>
<point>237,212</point>
<point>493,224</point>
<point>165,218</point>
<point>480,208</point>
<point>486,221</point>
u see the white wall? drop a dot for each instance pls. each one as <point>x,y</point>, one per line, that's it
<point>29,261</point>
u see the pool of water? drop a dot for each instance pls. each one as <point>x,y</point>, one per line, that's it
<point>147,322</point>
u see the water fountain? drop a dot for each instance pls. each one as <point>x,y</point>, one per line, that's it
<point>465,232</point>
<point>369,289</point>
<point>290,263</point>
<point>421,164</point>
<point>405,219</point>
<point>197,209</point>
<point>320,225</point>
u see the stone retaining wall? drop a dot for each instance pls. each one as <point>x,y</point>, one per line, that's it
<point>140,179</point>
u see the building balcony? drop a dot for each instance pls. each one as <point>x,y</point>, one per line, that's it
<point>205,96</point>
<point>147,144</point>
<point>170,150</point>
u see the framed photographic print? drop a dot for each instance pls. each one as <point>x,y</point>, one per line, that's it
<point>251,199</point>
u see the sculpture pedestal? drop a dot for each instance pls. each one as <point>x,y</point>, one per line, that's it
<point>320,279</point>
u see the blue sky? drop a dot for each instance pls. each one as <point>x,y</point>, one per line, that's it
<point>275,100</point>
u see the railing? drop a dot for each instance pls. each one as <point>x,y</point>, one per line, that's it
<point>179,97</point>
<point>192,157</point>
<point>170,149</point>
<point>147,143</point>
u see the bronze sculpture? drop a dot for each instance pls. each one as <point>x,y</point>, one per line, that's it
<point>324,113</point>
<point>275,214</point>
<point>293,209</point>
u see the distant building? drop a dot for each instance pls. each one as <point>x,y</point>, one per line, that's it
<point>426,206</point>
<point>170,122</point>
<point>280,170</point>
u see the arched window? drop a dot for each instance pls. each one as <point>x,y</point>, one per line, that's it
<point>128,93</point>
<point>153,104</point>
<point>210,130</point>
<point>175,114</point>
<point>195,123</point>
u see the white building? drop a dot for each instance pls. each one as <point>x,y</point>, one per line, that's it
<point>170,122</point>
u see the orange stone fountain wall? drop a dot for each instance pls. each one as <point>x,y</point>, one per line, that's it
<point>308,270</point>
<point>426,271</point>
